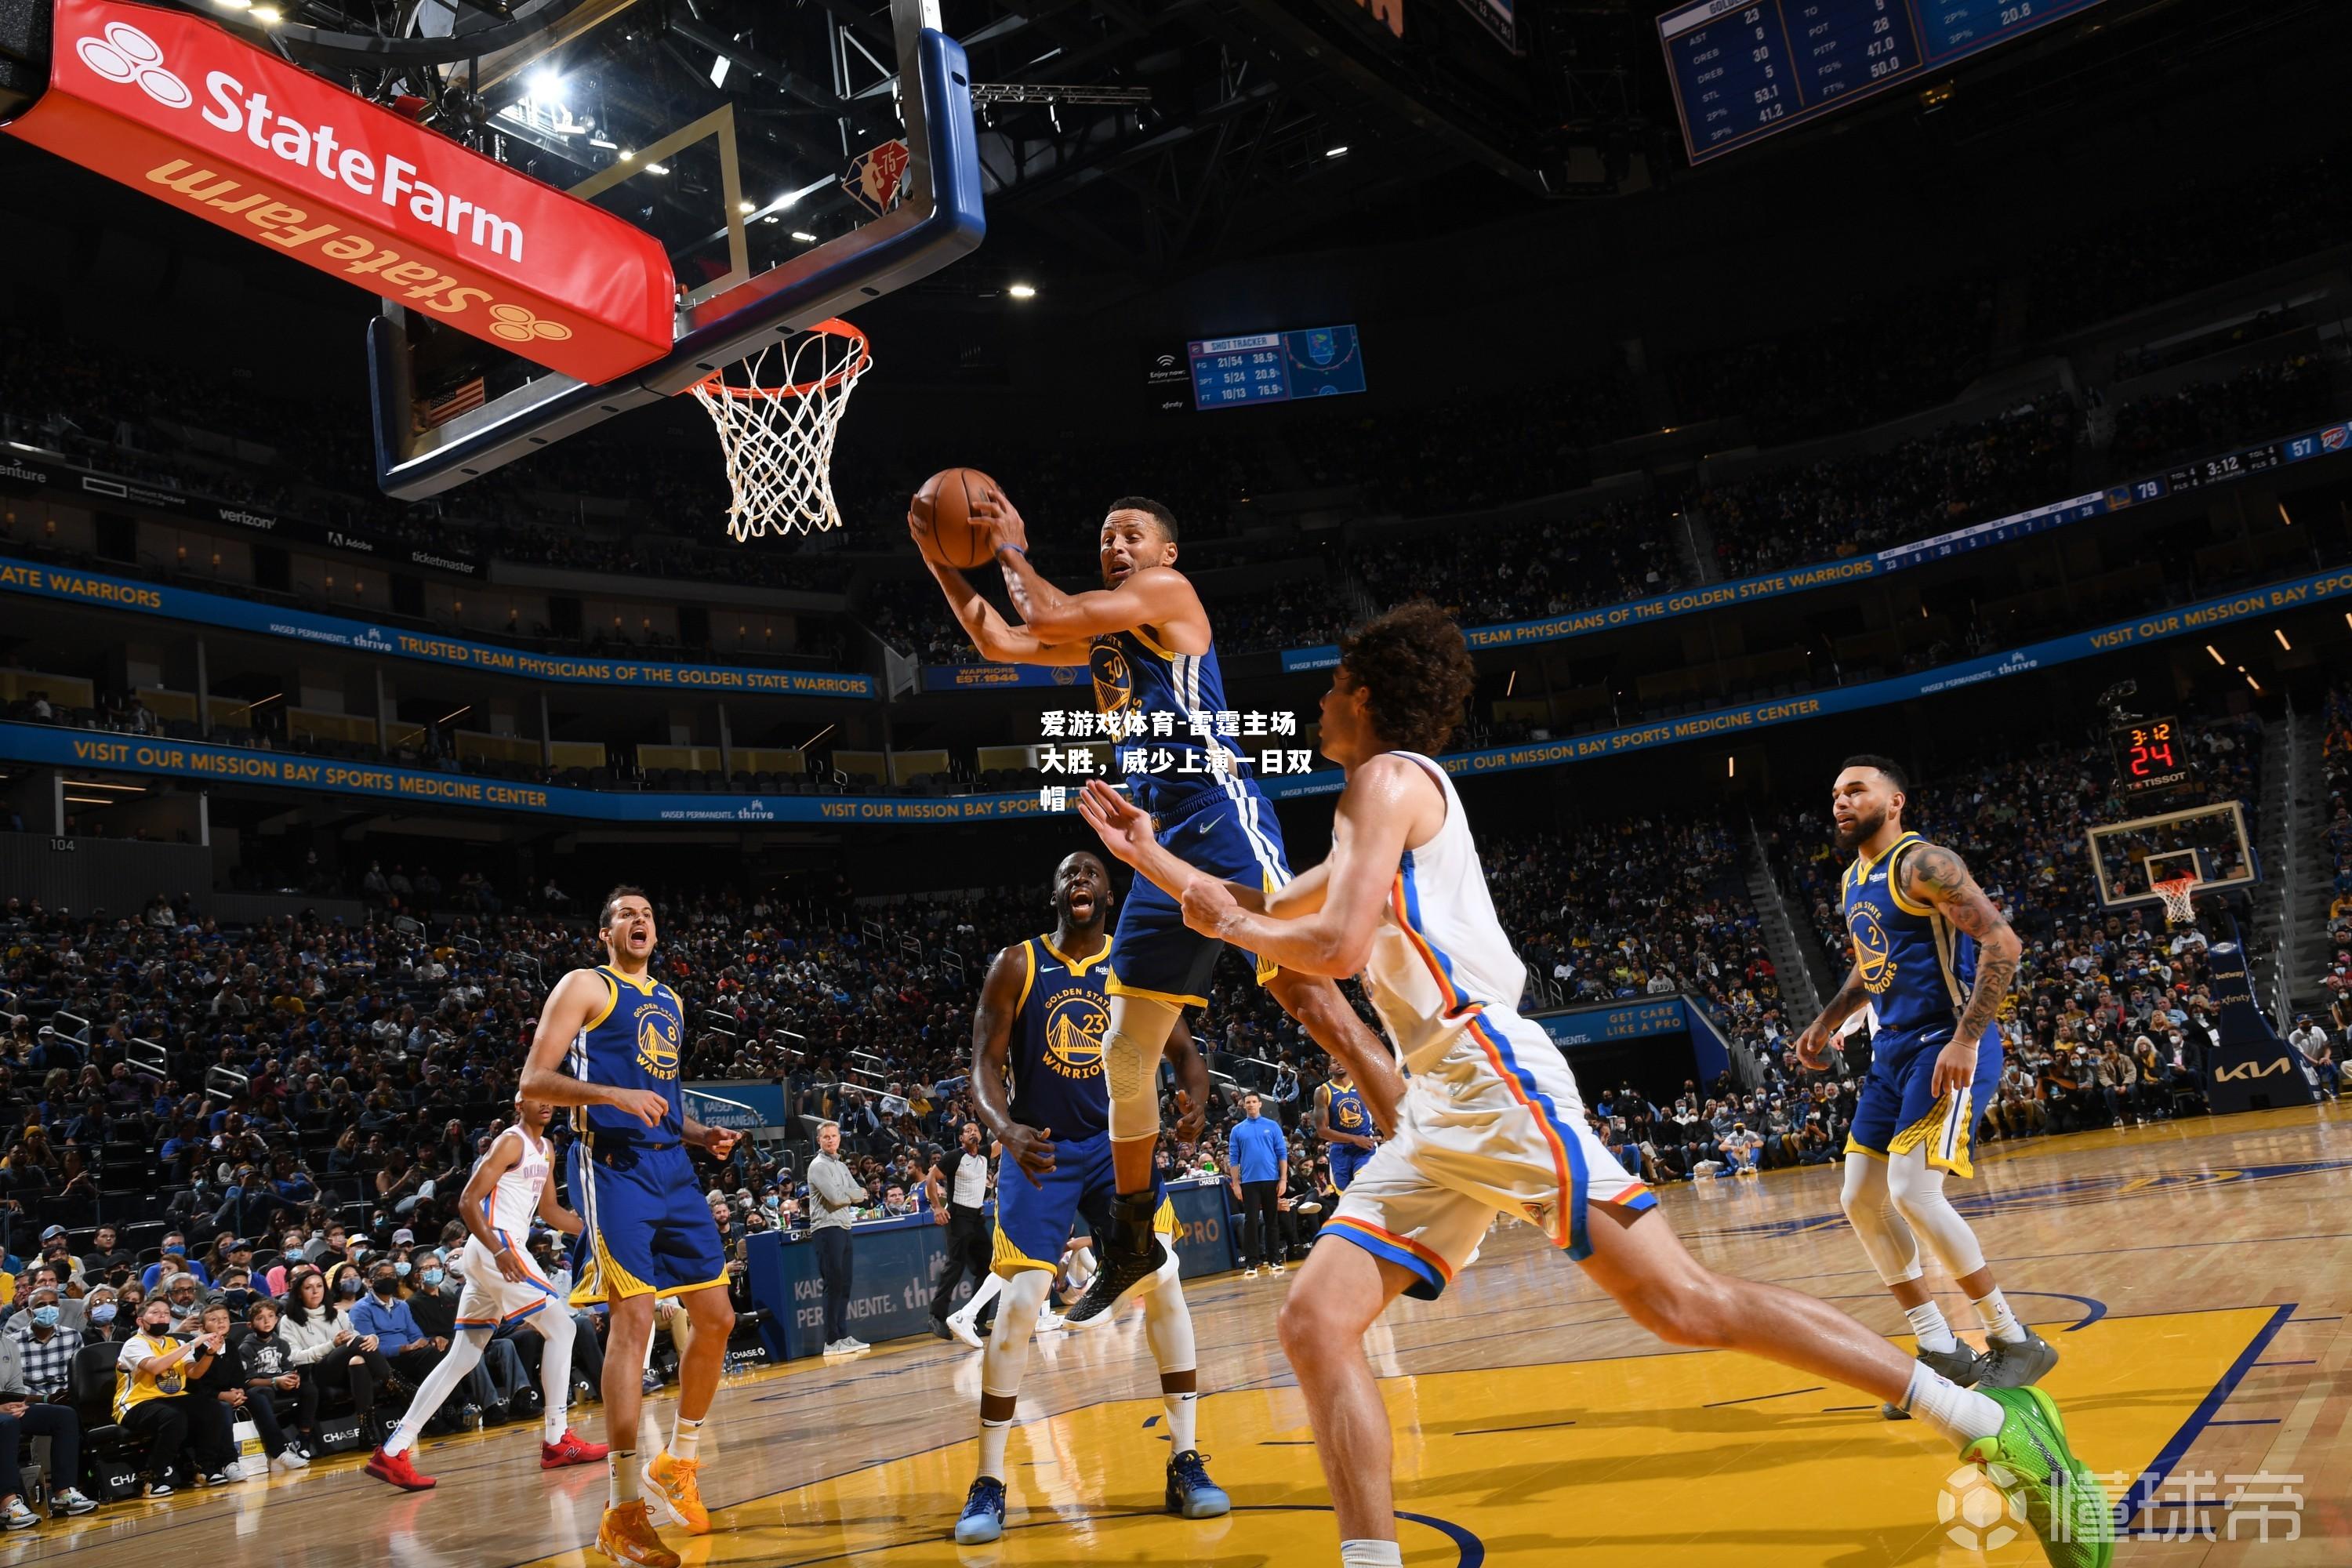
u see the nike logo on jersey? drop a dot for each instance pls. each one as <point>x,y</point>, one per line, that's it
<point>1047,968</point>
<point>1207,824</point>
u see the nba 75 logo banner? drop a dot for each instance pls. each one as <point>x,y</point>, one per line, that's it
<point>181,109</point>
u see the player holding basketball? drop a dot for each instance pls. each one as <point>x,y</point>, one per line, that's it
<point>1147,641</point>
<point>609,1042</point>
<point>1042,1015</point>
<point>1933,963</point>
<point>1491,1121</point>
<point>507,1188</point>
<point>1345,1125</point>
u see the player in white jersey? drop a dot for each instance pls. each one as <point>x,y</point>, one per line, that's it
<point>508,1189</point>
<point>1491,1121</point>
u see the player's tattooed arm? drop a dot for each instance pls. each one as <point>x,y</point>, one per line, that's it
<point>1934,875</point>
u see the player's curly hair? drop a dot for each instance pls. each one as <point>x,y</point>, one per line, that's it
<point>1418,670</point>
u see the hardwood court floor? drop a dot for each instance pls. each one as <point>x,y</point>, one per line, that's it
<point>2196,1278</point>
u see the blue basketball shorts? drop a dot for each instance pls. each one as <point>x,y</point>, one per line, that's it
<point>1898,1109</point>
<point>1232,835</point>
<point>1034,1222</point>
<point>650,1229</point>
<point>1346,1161</point>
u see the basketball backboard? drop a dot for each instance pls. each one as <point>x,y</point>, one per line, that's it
<point>794,162</point>
<point>2130,857</point>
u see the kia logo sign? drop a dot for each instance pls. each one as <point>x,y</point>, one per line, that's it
<point>126,54</point>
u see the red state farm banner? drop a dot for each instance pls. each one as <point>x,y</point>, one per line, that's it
<point>179,108</point>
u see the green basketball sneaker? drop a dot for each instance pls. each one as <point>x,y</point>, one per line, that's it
<point>2029,1459</point>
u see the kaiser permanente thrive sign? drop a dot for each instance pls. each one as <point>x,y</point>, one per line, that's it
<point>182,110</point>
<point>56,583</point>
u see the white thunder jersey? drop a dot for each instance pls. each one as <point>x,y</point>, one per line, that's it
<point>1490,1120</point>
<point>513,1203</point>
<point>490,1298</point>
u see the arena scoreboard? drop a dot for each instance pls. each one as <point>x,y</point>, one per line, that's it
<point>2150,756</point>
<point>1275,367</point>
<point>1745,68</point>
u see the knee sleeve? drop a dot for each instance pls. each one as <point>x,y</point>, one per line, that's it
<point>1918,1190</point>
<point>1007,1355</point>
<point>1132,1042</point>
<point>1168,1325</point>
<point>1870,1208</point>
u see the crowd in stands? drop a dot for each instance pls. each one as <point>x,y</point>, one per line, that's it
<point>2336,720</point>
<point>1858,502</point>
<point>2278,399</point>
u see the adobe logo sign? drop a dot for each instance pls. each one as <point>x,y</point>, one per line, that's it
<point>180,109</point>
<point>126,54</point>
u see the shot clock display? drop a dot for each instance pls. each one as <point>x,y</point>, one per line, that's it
<point>2150,757</point>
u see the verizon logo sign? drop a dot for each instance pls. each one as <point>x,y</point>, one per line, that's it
<point>173,105</point>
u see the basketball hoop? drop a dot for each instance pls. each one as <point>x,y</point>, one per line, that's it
<point>778,440</point>
<point>2179,896</point>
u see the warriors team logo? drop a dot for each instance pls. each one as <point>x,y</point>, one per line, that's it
<point>1074,1022</point>
<point>1346,1114</point>
<point>1114,683</point>
<point>657,1042</point>
<point>1871,950</point>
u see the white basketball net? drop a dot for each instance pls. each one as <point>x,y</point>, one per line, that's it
<point>778,439</point>
<point>2179,896</point>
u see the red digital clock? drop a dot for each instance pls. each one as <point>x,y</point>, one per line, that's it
<point>2151,756</point>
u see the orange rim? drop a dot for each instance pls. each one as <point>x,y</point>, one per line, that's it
<point>715,383</point>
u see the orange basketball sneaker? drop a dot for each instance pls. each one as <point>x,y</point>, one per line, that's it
<point>674,1488</point>
<point>626,1535</point>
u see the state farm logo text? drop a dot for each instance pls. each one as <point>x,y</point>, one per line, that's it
<point>127,55</point>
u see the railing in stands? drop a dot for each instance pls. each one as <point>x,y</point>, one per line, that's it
<point>146,1057</point>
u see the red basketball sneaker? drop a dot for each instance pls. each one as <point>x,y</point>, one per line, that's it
<point>571,1449</point>
<point>399,1469</point>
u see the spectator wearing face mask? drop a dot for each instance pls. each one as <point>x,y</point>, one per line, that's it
<point>179,1292</point>
<point>151,1401</point>
<point>347,1362</point>
<point>176,1260</point>
<point>45,1344</point>
<point>101,1313</point>
<point>222,1381</point>
<point>23,1414</point>
<point>105,1255</point>
<point>383,1316</point>
<point>272,1380</point>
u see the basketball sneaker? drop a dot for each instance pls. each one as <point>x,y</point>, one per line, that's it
<point>2017,1363</point>
<point>2029,1459</point>
<point>1959,1363</point>
<point>963,1329</point>
<point>1190,1493</point>
<point>626,1535</point>
<point>570,1450</point>
<point>672,1481</point>
<point>982,1520</point>
<point>400,1470</point>
<point>1127,1270</point>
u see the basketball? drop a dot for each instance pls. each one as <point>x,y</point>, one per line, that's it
<point>943,520</point>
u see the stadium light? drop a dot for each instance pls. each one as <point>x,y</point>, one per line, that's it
<point>2280,632</point>
<point>2216,653</point>
<point>234,5</point>
<point>546,86</point>
<point>1339,152</point>
<point>268,15</point>
<point>746,209</point>
<point>804,236</point>
<point>2255,684</point>
<point>1023,290</point>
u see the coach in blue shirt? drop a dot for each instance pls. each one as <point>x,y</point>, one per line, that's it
<point>1260,1157</point>
<point>399,1338</point>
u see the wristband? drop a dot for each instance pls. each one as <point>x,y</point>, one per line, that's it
<point>1003,545</point>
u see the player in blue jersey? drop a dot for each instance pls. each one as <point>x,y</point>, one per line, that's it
<point>1037,1074</point>
<point>1933,963</point>
<point>609,1042</point>
<point>1345,1124</point>
<point>1146,640</point>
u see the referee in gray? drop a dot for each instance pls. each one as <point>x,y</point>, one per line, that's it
<point>834,1197</point>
